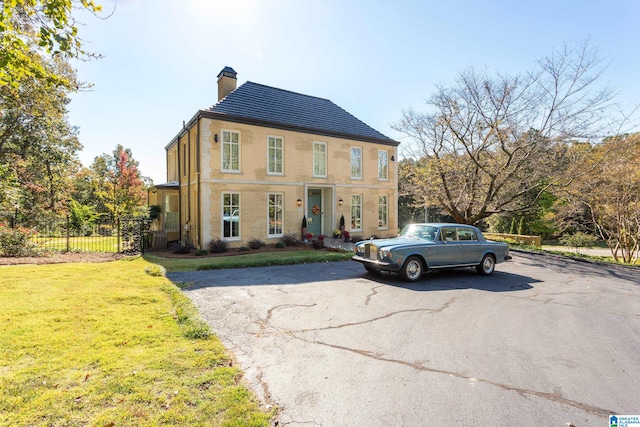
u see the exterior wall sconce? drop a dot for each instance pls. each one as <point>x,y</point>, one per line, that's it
<point>299,202</point>
<point>215,138</point>
<point>340,202</point>
<point>392,158</point>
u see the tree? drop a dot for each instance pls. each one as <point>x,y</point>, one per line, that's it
<point>492,145</point>
<point>33,29</point>
<point>37,144</point>
<point>611,194</point>
<point>119,184</point>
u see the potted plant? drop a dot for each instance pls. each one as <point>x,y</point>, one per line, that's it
<point>318,242</point>
<point>337,234</point>
<point>346,236</point>
<point>304,227</point>
<point>341,223</point>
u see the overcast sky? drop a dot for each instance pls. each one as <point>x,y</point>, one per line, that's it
<point>372,58</point>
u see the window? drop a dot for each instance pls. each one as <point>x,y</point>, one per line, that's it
<point>383,165</point>
<point>356,163</point>
<point>383,212</point>
<point>276,208</point>
<point>466,234</point>
<point>230,215</point>
<point>319,159</point>
<point>275,156</point>
<point>356,212</point>
<point>230,151</point>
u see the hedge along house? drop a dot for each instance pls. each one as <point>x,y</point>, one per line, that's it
<point>257,162</point>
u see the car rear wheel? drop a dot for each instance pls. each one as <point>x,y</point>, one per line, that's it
<point>412,269</point>
<point>487,265</point>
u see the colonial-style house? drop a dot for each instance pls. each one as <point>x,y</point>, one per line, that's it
<point>257,162</point>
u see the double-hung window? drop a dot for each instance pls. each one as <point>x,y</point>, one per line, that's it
<point>230,151</point>
<point>231,215</point>
<point>356,212</point>
<point>275,155</point>
<point>383,212</point>
<point>383,165</point>
<point>276,220</point>
<point>319,159</point>
<point>356,163</point>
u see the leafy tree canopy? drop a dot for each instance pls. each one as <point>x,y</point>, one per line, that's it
<point>33,29</point>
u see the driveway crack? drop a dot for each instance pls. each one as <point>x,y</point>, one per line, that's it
<point>554,397</point>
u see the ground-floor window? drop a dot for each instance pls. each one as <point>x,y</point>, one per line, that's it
<point>356,212</point>
<point>231,215</point>
<point>276,209</point>
<point>383,212</point>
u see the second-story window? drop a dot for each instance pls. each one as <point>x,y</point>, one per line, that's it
<point>319,159</point>
<point>230,151</point>
<point>383,165</point>
<point>275,155</point>
<point>356,162</point>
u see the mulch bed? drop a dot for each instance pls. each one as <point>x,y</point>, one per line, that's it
<point>59,258</point>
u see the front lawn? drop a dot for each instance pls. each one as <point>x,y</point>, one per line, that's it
<point>110,345</point>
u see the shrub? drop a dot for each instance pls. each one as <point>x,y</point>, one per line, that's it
<point>218,246</point>
<point>579,240</point>
<point>14,242</point>
<point>355,238</point>
<point>290,239</point>
<point>181,249</point>
<point>280,245</point>
<point>256,243</point>
<point>201,252</point>
<point>244,249</point>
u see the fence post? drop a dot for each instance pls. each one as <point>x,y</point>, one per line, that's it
<point>68,247</point>
<point>118,226</point>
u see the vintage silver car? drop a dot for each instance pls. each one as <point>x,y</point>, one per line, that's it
<point>423,247</point>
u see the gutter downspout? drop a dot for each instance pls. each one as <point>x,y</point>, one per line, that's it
<point>188,181</point>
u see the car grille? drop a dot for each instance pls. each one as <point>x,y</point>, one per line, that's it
<point>370,251</point>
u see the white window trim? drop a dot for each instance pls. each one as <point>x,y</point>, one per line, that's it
<point>384,227</point>
<point>386,177</point>
<point>234,238</point>
<point>222,131</point>
<point>324,144</point>
<point>281,138</point>
<point>361,212</point>
<point>282,210</point>
<point>351,164</point>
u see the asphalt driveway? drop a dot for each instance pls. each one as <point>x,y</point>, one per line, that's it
<point>542,342</point>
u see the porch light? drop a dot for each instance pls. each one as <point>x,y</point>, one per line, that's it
<point>340,202</point>
<point>299,202</point>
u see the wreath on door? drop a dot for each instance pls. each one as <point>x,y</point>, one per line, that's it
<point>315,210</point>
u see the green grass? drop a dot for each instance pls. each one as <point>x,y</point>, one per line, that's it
<point>80,243</point>
<point>259,259</point>
<point>110,345</point>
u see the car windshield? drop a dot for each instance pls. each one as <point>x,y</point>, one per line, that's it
<point>417,231</point>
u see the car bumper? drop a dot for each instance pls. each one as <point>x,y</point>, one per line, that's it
<point>381,265</point>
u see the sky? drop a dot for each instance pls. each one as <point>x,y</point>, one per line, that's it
<point>373,58</point>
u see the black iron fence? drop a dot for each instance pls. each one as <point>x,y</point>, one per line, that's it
<point>121,235</point>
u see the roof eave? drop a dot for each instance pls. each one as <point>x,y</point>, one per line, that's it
<point>239,119</point>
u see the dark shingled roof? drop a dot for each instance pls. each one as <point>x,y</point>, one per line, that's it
<point>268,106</point>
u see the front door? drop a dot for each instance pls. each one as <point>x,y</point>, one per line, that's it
<point>314,211</point>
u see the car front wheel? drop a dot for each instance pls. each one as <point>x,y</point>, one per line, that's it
<point>487,265</point>
<point>412,269</point>
<point>371,269</point>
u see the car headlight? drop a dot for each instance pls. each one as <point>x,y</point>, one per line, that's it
<point>360,249</point>
<point>384,253</point>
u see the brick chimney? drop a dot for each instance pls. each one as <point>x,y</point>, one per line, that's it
<point>226,82</point>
